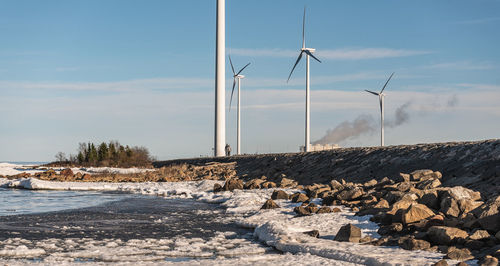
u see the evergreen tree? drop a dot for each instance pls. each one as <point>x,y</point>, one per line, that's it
<point>102,152</point>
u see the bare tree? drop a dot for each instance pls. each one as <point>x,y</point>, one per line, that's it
<point>61,157</point>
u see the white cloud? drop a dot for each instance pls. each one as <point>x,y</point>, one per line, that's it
<point>463,65</point>
<point>336,54</point>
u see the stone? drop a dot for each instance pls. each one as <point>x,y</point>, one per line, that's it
<point>430,199</point>
<point>460,254</point>
<point>328,200</point>
<point>366,239</point>
<point>350,194</point>
<point>370,183</point>
<point>402,177</point>
<point>286,182</point>
<point>479,235</point>
<point>217,188</point>
<point>313,233</point>
<point>312,208</point>
<point>498,235</point>
<point>254,184</point>
<point>474,244</point>
<point>348,233</point>
<point>269,204</point>
<point>459,192</point>
<point>299,197</point>
<point>404,186</point>
<point>335,185</point>
<point>418,174</point>
<point>489,261</point>
<point>488,215</point>
<point>279,194</point>
<point>67,172</point>
<point>232,184</point>
<point>324,210</point>
<point>301,211</point>
<point>444,235</point>
<point>336,209</point>
<point>449,206</point>
<point>390,229</point>
<point>86,177</point>
<point>268,184</point>
<point>440,263</point>
<point>416,212</point>
<point>402,204</point>
<point>429,184</point>
<point>382,204</point>
<point>415,244</point>
<point>316,192</point>
<point>467,205</point>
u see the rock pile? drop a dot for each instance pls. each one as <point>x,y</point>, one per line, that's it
<point>413,210</point>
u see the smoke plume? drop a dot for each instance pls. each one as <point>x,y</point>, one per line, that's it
<point>401,116</point>
<point>363,124</point>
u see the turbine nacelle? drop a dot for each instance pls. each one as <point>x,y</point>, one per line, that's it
<point>312,50</point>
<point>239,76</point>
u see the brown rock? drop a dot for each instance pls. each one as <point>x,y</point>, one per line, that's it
<point>416,212</point>
<point>269,204</point>
<point>350,194</point>
<point>336,209</point>
<point>440,263</point>
<point>449,206</point>
<point>299,197</point>
<point>474,244</point>
<point>390,229</point>
<point>254,184</point>
<point>232,184</point>
<point>366,239</point>
<point>382,204</point>
<point>370,183</point>
<point>301,211</point>
<point>488,215</point>
<point>348,233</point>
<point>415,244</point>
<point>86,177</point>
<point>462,254</point>
<point>67,172</point>
<point>402,177</point>
<point>268,184</point>
<point>498,235</point>
<point>430,199</point>
<point>286,182</point>
<point>424,174</point>
<point>429,184</point>
<point>313,233</point>
<point>279,194</point>
<point>312,208</point>
<point>328,200</point>
<point>443,235</point>
<point>217,188</point>
<point>489,261</point>
<point>335,185</point>
<point>324,210</point>
<point>402,204</point>
<point>479,235</point>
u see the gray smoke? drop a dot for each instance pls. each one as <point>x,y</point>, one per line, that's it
<point>452,101</point>
<point>401,116</point>
<point>363,124</point>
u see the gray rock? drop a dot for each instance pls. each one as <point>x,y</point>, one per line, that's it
<point>415,244</point>
<point>498,235</point>
<point>461,254</point>
<point>444,235</point>
<point>348,233</point>
<point>488,215</point>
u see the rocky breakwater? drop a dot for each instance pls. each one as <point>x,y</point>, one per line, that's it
<point>475,165</point>
<point>414,211</point>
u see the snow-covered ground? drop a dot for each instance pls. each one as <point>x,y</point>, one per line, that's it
<point>278,228</point>
<point>8,169</point>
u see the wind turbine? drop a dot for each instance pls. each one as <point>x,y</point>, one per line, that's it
<point>309,53</point>
<point>220,79</point>
<point>381,96</point>
<point>237,77</point>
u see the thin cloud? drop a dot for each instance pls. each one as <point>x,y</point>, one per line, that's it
<point>463,65</point>
<point>336,54</point>
<point>478,21</point>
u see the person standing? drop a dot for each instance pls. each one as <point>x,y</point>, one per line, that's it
<point>228,150</point>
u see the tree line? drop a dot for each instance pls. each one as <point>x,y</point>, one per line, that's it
<point>107,154</point>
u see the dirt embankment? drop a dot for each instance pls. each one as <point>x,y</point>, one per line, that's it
<point>475,165</point>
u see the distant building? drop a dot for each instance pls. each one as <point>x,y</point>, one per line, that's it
<point>321,147</point>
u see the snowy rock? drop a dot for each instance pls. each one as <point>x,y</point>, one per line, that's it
<point>67,172</point>
<point>286,182</point>
<point>254,184</point>
<point>415,244</point>
<point>416,212</point>
<point>313,233</point>
<point>232,184</point>
<point>279,194</point>
<point>217,187</point>
<point>348,233</point>
<point>444,235</point>
<point>268,184</point>
<point>301,211</point>
<point>269,204</point>
<point>324,210</point>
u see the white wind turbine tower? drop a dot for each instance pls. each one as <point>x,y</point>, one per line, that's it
<point>309,53</point>
<point>220,86</point>
<point>237,77</point>
<point>381,96</point>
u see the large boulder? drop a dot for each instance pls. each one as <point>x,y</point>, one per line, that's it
<point>414,244</point>
<point>416,212</point>
<point>430,199</point>
<point>301,211</point>
<point>424,174</point>
<point>67,172</point>
<point>400,205</point>
<point>444,235</point>
<point>350,194</point>
<point>479,235</point>
<point>348,233</point>
<point>254,184</point>
<point>299,197</point>
<point>336,185</point>
<point>429,184</point>
<point>286,182</point>
<point>460,254</point>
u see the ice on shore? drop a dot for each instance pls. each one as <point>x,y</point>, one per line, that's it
<point>278,228</point>
<point>9,169</point>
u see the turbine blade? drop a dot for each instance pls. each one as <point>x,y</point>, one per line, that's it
<point>242,69</point>
<point>374,93</point>
<point>387,82</point>
<point>309,53</point>
<point>296,62</point>
<point>232,91</point>
<point>304,29</point>
<point>231,62</point>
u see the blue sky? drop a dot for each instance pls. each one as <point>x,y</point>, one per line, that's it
<point>141,72</point>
